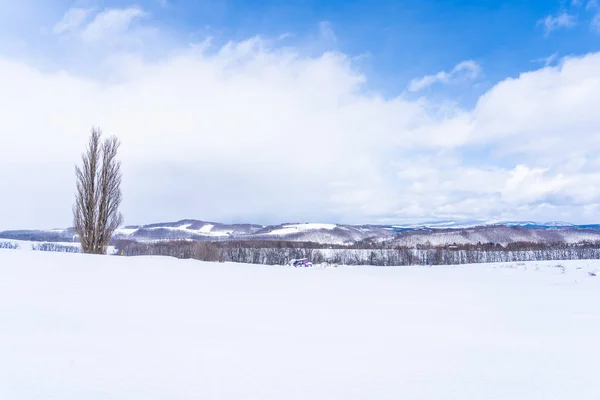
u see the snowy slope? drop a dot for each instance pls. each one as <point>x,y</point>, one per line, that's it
<point>201,230</point>
<point>438,233</point>
<point>472,223</point>
<point>186,229</point>
<point>498,234</point>
<point>299,228</point>
<point>74,326</point>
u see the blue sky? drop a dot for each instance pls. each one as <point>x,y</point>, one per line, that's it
<point>404,39</point>
<point>394,41</point>
<point>403,110</point>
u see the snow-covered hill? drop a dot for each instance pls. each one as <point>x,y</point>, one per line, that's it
<point>76,327</point>
<point>472,223</point>
<point>438,232</point>
<point>200,230</point>
<point>500,234</point>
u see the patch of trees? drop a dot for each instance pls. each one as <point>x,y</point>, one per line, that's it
<point>205,251</point>
<point>253,252</point>
<point>55,247</point>
<point>9,245</point>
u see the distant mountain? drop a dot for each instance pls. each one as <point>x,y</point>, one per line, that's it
<point>442,232</point>
<point>499,234</point>
<point>473,223</point>
<point>304,232</point>
<point>54,235</point>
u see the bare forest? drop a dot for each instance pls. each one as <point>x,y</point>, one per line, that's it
<point>281,252</point>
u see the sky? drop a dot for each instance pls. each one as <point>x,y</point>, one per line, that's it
<point>298,111</point>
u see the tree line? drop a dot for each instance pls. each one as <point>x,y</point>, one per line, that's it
<point>281,252</point>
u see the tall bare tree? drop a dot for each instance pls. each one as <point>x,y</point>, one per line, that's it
<point>96,211</point>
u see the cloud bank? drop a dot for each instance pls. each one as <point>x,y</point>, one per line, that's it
<point>252,131</point>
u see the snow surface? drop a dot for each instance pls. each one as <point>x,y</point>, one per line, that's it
<point>205,230</point>
<point>296,228</point>
<point>126,231</point>
<point>75,326</point>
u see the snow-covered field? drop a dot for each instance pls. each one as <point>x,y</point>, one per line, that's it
<point>28,245</point>
<point>74,326</point>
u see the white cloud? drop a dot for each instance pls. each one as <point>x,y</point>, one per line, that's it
<point>531,184</point>
<point>73,19</point>
<point>110,23</point>
<point>466,70</point>
<point>253,132</point>
<point>562,20</point>
<point>592,5</point>
<point>326,30</point>
<point>111,29</point>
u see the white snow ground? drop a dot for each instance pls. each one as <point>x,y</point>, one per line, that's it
<point>74,326</point>
<point>298,228</point>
